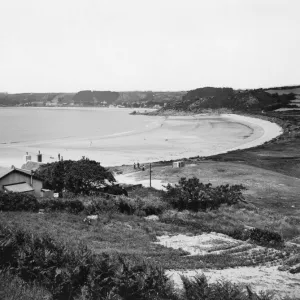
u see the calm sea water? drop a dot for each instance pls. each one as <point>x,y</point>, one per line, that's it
<point>38,124</point>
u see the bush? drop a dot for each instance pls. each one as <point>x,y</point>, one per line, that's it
<point>194,195</point>
<point>125,205</point>
<point>74,206</point>
<point>13,288</point>
<point>17,202</point>
<point>265,237</point>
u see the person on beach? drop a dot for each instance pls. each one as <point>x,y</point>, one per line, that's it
<point>138,165</point>
<point>134,166</point>
<point>143,167</point>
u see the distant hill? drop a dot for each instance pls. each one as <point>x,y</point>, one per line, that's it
<point>243,100</point>
<point>92,98</point>
<point>25,98</point>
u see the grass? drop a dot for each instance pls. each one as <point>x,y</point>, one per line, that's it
<point>265,188</point>
<point>13,288</point>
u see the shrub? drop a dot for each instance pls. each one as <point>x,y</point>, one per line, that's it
<point>70,205</point>
<point>13,288</point>
<point>265,237</point>
<point>17,201</point>
<point>122,204</point>
<point>194,195</point>
<point>198,288</point>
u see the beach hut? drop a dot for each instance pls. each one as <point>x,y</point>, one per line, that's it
<point>178,164</point>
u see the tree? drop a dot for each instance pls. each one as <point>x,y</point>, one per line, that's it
<point>79,177</point>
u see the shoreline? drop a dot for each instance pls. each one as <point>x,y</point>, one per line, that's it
<point>271,126</point>
<point>260,131</point>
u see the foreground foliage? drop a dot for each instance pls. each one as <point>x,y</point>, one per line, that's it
<point>14,288</point>
<point>66,274</point>
<point>80,275</point>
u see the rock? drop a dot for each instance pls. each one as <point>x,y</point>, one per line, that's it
<point>128,226</point>
<point>295,269</point>
<point>283,268</point>
<point>92,217</point>
<point>152,218</point>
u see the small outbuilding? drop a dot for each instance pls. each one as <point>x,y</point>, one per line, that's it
<point>178,164</point>
<point>45,193</point>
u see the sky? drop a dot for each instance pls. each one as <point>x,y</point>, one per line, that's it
<point>158,45</point>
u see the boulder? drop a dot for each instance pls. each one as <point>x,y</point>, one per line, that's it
<point>152,218</point>
<point>295,269</point>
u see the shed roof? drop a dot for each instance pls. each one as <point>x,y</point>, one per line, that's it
<point>21,187</point>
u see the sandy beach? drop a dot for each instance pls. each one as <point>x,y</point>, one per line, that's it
<point>152,139</point>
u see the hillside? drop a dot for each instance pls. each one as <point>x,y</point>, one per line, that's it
<point>242,100</point>
<point>25,98</point>
<point>91,98</point>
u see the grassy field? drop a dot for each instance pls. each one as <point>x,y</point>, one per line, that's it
<point>131,235</point>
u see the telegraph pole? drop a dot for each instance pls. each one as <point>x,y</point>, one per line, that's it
<point>150,174</point>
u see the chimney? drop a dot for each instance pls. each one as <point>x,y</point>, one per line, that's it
<point>27,157</point>
<point>39,157</point>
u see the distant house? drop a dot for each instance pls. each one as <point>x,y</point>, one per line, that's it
<point>20,181</point>
<point>31,165</point>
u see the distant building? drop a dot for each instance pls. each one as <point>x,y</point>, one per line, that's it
<point>20,181</point>
<point>31,165</point>
<point>178,164</point>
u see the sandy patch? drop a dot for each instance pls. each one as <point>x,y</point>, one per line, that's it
<point>130,179</point>
<point>200,244</point>
<point>258,278</point>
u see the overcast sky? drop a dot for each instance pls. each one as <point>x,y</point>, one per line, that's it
<point>71,45</point>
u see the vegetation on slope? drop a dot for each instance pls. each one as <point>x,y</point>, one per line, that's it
<point>216,98</point>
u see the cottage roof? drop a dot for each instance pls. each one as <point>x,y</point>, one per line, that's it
<point>4,171</point>
<point>21,187</point>
<point>9,171</point>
